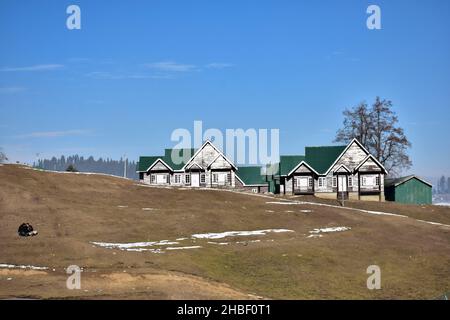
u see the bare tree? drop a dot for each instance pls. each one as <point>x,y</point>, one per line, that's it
<point>356,125</point>
<point>378,131</point>
<point>3,157</point>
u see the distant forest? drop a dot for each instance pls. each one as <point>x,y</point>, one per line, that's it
<point>81,164</point>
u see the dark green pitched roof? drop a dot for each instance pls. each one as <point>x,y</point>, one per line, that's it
<point>145,162</point>
<point>251,175</point>
<point>287,163</point>
<point>186,155</point>
<point>397,181</point>
<point>321,158</point>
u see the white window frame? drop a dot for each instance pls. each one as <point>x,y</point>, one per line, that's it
<point>350,181</point>
<point>177,178</point>
<point>322,182</point>
<point>215,178</point>
<point>152,178</point>
<point>334,182</point>
<point>377,181</point>
<point>310,182</point>
<point>202,178</point>
<point>187,178</point>
<point>229,177</point>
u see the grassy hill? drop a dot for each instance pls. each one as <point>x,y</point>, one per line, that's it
<point>75,213</point>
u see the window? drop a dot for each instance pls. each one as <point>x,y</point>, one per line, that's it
<point>334,182</point>
<point>152,178</point>
<point>187,178</point>
<point>202,178</point>
<point>255,190</point>
<point>177,178</point>
<point>377,180</point>
<point>364,181</point>
<point>215,178</point>
<point>229,177</point>
<point>350,181</point>
<point>310,182</point>
<point>322,182</point>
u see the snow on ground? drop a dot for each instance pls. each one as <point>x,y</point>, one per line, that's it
<point>12,266</point>
<point>379,213</point>
<point>315,236</point>
<point>164,244</point>
<point>306,211</point>
<point>133,245</point>
<point>327,230</point>
<point>183,248</point>
<point>237,234</point>
<point>149,209</point>
<point>442,204</point>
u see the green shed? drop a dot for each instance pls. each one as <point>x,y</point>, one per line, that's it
<point>410,189</point>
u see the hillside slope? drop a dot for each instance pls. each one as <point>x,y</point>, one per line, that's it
<point>76,215</point>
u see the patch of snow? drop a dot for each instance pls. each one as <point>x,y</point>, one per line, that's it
<point>289,211</point>
<point>12,266</point>
<point>149,209</point>
<point>327,230</point>
<point>442,204</point>
<point>306,211</point>
<point>315,236</point>
<point>133,245</point>
<point>219,243</point>
<point>237,234</point>
<point>122,206</point>
<point>282,202</point>
<point>270,211</point>
<point>183,248</point>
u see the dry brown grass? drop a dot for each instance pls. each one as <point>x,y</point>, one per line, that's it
<point>71,210</point>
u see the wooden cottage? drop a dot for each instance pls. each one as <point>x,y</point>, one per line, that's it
<point>342,172</point>
<point>206,167</point>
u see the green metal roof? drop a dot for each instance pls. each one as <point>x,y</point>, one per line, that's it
<point>145,162</point>
<point>185,154</point>
<point>398,181</point>
<point>321,158</point>
<point>251,175</point>
<point>288,163</point>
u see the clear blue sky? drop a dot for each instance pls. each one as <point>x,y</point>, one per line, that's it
<point>137,70</point>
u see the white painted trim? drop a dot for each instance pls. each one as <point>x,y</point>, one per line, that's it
<point>374,159</point>
<point>218,156</point>
<point>156,161</point>
<point>342,166</point>
<point>345,150</point>
<point>299,165</point>
<point>194,163</point>
<point>215,148</point>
